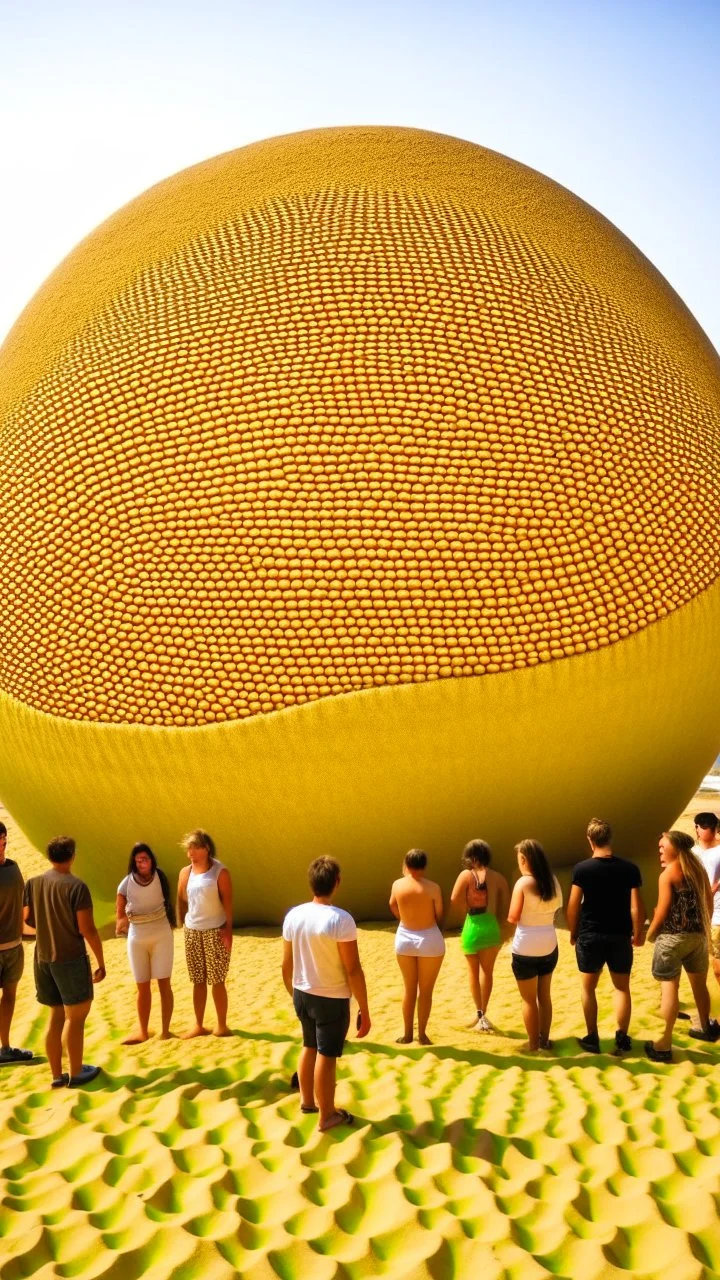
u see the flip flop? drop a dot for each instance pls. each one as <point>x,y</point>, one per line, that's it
<point>86,1074</point>
<point>340,1117</point>
<point>60,1082</point>
<point>309,1111</point>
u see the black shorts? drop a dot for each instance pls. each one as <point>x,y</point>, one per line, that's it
<point>593,950</point>
<point>525,967</point>
<point>324,1022</point>
<point>63,981</point>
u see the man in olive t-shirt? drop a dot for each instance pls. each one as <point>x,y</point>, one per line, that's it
<point>12,957</point>
<point>59,907</point>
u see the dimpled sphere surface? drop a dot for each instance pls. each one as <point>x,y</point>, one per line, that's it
<point>346,411</point>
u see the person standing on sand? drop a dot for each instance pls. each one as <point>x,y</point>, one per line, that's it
<point>146,917</point>
<point>680,928</point>
<point>606,916</point>
<point>485,895</point>
<point>205,909</point>
<point>321,969</point>
<point>12,956</point>
<point>707,849</point>
<point>59,908</point>
<point>536,898</point>
<point>419,945</point>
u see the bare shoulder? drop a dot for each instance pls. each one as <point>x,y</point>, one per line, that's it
<point>498,877</point>
<point>183,876</point>
<point>432,886</point>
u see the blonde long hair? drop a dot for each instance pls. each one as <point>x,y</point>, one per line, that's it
<point>693,871</point>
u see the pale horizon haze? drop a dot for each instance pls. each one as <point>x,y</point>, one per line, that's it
<point>618,101</point>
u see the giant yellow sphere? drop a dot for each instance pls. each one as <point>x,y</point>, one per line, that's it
<point>359,492</point>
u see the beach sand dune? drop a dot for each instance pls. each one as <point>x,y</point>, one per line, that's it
<point>468,1158</point>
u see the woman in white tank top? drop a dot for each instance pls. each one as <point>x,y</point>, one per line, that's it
<point>536,898</point>
<point>205,910</point>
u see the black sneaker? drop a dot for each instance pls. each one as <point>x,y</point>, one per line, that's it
<point>711,1032</point>
<point>657,1055</point>
<point>623,1043</point>
<point>591,1044</point>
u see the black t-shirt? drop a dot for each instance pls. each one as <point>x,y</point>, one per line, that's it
<point>606,884</point>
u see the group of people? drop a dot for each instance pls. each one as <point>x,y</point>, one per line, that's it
<point>321,964</point>
<point>57,908</point>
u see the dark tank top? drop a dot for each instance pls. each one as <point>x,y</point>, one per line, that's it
<point>684,915</point>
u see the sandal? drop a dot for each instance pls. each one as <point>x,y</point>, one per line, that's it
<point>340,1117</point>
<point>60,1082</point>
<point>15,1055</point>
<point>309,1111</point>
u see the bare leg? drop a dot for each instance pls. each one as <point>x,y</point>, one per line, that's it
<point>167,1004</point>
<point>716,968</point>
<point>623,1001</point>
<point>7,1009</point>
<point>428,970</point>
<point>306,1076</point>
<point>325,1072</point>
<point>698,982</point>
<point>545,1009</point>
<point>487,964</point>
<point>75,1015</point>
<point>409,971</point>
<point>589,1001</point>
<point>144,1002</point>
<point>474,978</point>
<point>199,1002</point>
<point>669,1004</point>
<point>53,1039</point>
<point>220,1000</point>
<point>528,988</point>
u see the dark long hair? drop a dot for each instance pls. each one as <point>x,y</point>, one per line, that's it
<point>540,868</point>
<point>164,885</point>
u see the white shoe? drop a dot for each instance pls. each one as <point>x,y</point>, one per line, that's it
<point>483,1024</point>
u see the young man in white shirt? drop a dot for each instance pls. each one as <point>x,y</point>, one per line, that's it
<point>707,849</point>
<point>321,970</point>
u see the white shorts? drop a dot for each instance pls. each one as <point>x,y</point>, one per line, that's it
<point>419,942</point>
<point>150,950</point>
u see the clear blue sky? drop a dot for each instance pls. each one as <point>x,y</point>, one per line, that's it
<point>616,99</point>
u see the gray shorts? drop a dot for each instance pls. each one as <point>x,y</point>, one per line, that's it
<point>676,951</point>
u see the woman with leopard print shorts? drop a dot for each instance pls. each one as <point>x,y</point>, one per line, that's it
<point>205,903</point>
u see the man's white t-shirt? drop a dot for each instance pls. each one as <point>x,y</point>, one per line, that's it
<point>314,929</point>
<point>710,859</point>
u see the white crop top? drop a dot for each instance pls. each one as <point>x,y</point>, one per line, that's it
<point>535,932</point>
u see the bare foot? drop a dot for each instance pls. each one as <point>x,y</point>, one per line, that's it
<point>222,1031</point>
<point>167,1035</point>
<point>404,1039</point>
<point>194,1032</point>
<point>423,1039</point>
<point>138,1037</point>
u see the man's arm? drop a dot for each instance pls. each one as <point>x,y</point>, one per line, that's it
<point>225,891</point>
<point>86,925</point>
<point>182,902</point>
<point>287,966</point>
<point>350,957</point>
<point>663,905</point>
<point>572,911</point>
<point>638,913</point>
<point>393,902</point>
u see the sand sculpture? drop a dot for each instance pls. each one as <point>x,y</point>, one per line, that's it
<point>359,493</point>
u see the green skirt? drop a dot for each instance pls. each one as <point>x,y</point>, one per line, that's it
<point>479,932</point>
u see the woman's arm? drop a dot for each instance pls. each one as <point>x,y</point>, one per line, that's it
<point>182,902</point>
<point>458,895</point>
<point>516,904</point>
<point>122,924</point>
<point>438,903</point>
<point>393,902</point>
<point>225,890</point>
<point>663,905</point>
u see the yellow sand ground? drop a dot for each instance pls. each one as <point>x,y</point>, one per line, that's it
<point>468,1158</point>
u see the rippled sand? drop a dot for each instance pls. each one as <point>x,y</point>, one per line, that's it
<point>468,1159</point>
